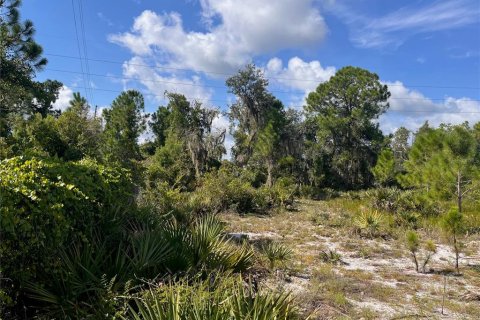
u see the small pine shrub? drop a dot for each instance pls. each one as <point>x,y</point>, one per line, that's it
<point>414,245</point>
<point>430,249</point>
<point>453,224</point>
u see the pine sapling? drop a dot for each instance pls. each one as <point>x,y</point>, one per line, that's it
<point>454,224</point>
<point>430,249</point>
<point>413,244</point>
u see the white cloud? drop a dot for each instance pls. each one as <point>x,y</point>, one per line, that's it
<point>410,108</point>
<point>394,28</point>
<point>63,101</point>
<point>299,74</point>
<point>219,124</point>
<point>247,28</point>
<point>157,83</point>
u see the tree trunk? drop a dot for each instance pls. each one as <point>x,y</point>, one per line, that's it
<point>459,192</point>
<point>455,246</point>
<point>415,260</point>
<point>269,182</point>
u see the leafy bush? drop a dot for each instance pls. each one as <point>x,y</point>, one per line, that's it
<point>408,219</point>
<point>226,189</point>
<point>395,200</point>
<point>232,188</point>
<point>385,198</point>
<point>46,204</point>
<point>281,194</point>
<point>325,194</point>
<point>163,199</point>
<point>220,297</point>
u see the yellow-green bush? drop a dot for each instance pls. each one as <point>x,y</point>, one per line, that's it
<point>46,204</point>
<point>222,190</point>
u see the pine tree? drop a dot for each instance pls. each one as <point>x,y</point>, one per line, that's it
<point>80,130</point>
<point>441,164</point>
<point>384,170</point>
<point>124,123</point>
<point>342,111</point>
<point>20,59</point>
<point>400,147</point>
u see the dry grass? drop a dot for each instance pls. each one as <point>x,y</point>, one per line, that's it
<point>376,279</point>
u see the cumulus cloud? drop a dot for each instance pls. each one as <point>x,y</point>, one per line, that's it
<point>302,77</point>
<point>157,84</point>
<point>247,28</point>
<point>298,74</point>
<point>394,28</point>
<point>410,108</point>
<point>64,96</point>
<point>220,123</point>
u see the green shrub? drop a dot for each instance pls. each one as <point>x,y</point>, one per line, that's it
<point>47,204</point>
<point>231,188</point>
<point>223,190</point>
<point>276,253</point>
<point>331,256</point>
<point>368,223</point>
<point>91,276</point>
<point>453,224</point>
<point>408,219</point>
<point>385,198</point>
<point>395,200</point>
<point>220,297</point>
<point>413,245</point>
<point>281,194</point>
<point>162,199</point>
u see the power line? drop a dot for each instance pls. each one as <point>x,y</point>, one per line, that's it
<point>85,50</point>
<point>222,87</point>
<point>78,47</point>
<point>226,102</point>
<point>230,74</point>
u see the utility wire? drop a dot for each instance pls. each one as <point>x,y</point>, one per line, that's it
<point>229,74</point>
<point>85,50</point>
<point>220,87</point>
<point>79,51</point>
<point>226,102</point>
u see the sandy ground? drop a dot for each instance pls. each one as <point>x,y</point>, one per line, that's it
<point>375,279</point>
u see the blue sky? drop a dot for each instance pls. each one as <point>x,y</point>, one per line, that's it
<point>428,52</point>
